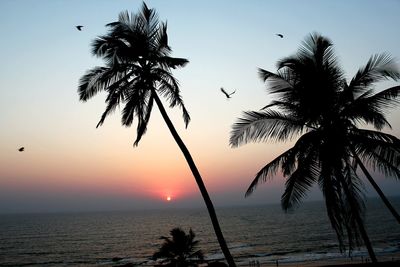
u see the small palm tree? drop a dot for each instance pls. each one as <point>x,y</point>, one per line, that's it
<point>317,105</point>
<point>181,250</point>
<point>137,72</point>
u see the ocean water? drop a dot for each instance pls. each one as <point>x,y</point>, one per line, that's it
<point>257,233</point>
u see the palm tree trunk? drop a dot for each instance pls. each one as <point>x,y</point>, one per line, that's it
<point>376,187</point>
<point>199,181</point>
<point>359,221</point>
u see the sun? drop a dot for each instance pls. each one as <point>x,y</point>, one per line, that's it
<point>169,198</point>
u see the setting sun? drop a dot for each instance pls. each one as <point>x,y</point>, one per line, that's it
<point>168,198</point>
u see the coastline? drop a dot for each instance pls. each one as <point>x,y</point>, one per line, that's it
<point>387,259</point>
<point>257,234</point>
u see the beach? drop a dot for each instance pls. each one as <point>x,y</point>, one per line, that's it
<point>346,263</point>
<point>390,259</point>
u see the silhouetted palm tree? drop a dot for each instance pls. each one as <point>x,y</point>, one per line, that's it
<point>316,104</point>
<point>181,250</point>
<point>137,71</point>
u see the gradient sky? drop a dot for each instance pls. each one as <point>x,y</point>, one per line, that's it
<point>70,165</point>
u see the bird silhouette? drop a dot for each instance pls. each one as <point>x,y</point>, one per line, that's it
<point>280,35</point>
<point>21,149</point>
<point>79,27</point>
<point>226,94</point>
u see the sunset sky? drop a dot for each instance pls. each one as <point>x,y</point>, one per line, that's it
<point>68,164</point>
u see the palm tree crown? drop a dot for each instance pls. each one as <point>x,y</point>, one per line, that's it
<point>137,62</point>
<point>181,250</point>
<point>316,105</point>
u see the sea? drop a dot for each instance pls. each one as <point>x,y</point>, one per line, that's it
<point>261,234</point>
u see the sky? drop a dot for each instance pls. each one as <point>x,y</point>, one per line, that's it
<point>68,164</point>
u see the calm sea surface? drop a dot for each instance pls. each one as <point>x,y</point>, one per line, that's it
<point>258,233</point>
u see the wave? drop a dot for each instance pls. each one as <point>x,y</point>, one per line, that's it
<point>93,240</point>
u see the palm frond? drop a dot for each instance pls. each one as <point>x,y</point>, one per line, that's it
<point>116,95</point>
<point>91,83</point>
<point>172,62</point>
<point>150,18</point>
<point>370,107</point>
<point>124,18</point>
<point>375,136</point>
<point>289,108</point>
<point>265,74</point>
<point>334,201</point>
<point>385,165</point>
<point>381,151</point>
<point>382,143</point>
<point>307,172</point>
<point>334,207</point>
<point>113,101</point>
<point>315,47</point>
<point>169,87</point>
<point>353,204</point>
<point>260,126</point>
<point>162,40</point>
<point>102,79</point>
<point>378,67</point>
<point>313,73</point>
<point>132,105</point>
<point>387,98</point>
<point>315,55</point>
<point>287,161</point>
<point>279,83</point>
<point>269,170</point>
<point>137,104</point>
<point>299,182</point>
<point>144,120</point>
<point>355,185</point>
<point>111,48</point>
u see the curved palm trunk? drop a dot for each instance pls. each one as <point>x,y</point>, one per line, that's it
<point>199,181</point>
<point>359,221</point>
<point>377,188</point>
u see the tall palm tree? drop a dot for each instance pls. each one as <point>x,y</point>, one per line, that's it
<point>180,250</point>
<point>316,105</point>
<point>137,72</point>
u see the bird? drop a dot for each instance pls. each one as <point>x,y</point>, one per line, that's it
<point>79,27</point>
<point>21,149</point>
<point>226,94</point>
<point>280,35</point>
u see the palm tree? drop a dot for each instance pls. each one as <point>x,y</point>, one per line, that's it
<point>316,105</point>
<point>137,71</point>
<point>181,250</point>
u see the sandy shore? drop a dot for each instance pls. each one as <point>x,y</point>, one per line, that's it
<point>337,263</point>
<point>384,260</point>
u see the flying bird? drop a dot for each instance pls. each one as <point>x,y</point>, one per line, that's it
<point>21,149</point>
<point>226,94</point>
<point>280,35</point>
<point>79,27</point>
